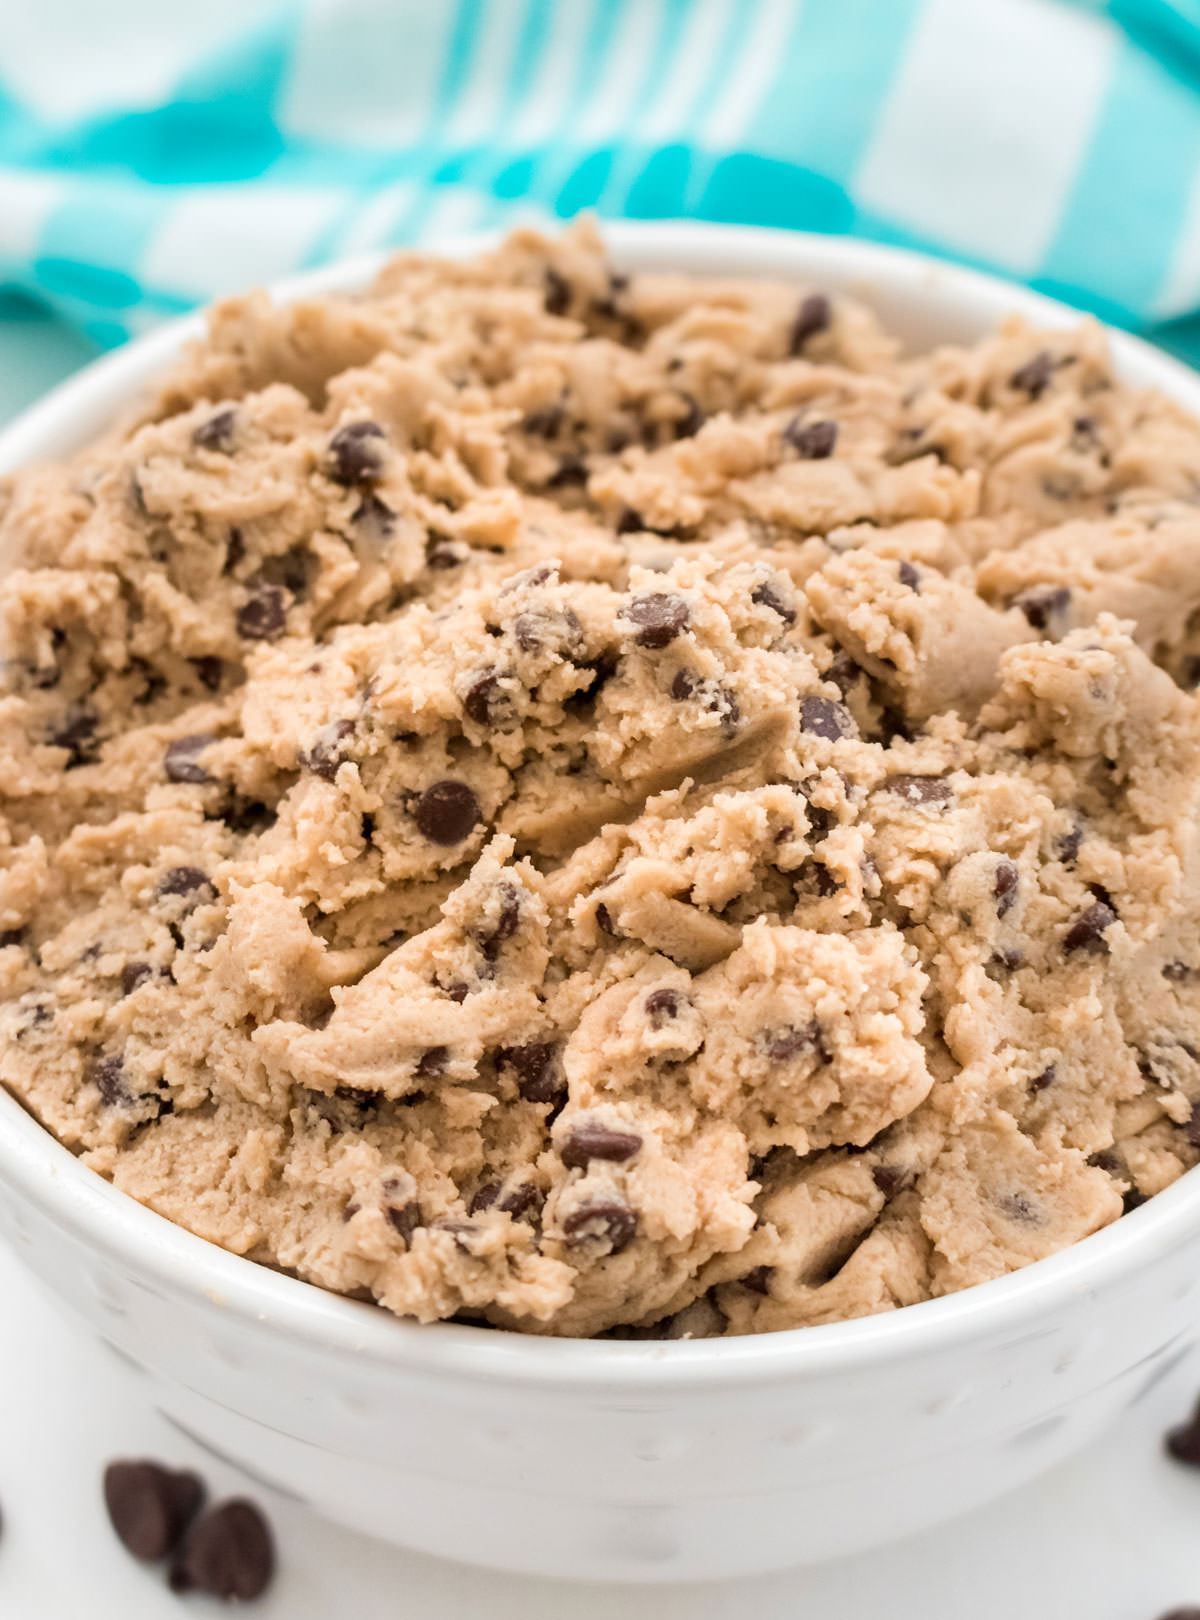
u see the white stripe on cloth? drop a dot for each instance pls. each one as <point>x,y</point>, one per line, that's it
<point>755,66</point>
<point>29,199</point>
<point>548,100</point>
<point>986,124</point>
<point>1180,289</point>
<point>222,239</point>
<point>493,53</point>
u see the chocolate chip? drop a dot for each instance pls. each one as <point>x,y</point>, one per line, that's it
<point>1004,886</point>
<point>181,761</point>
<point>889,1178</point>
<point>1191,1131</point>
<point>228,1553</point>
<point>629,521</point>
<point>916,790</point>
<point>1046,1078</point>
<point>149,1506</point>
<point>663,1005</point>
<point>356,453</point>
<point>690,423</point>
<point>209,672</point>
<point>325,753</point>
<point>184,880</point>
<point>545,422</point>
<point>217,432</point>
<point>557,297</point>
<point>781,1045</point>
<point>1183,1442</point>
<point>404,1217</point>
<point>12,936</point>
<point>603,1220</point>
<point>443,553</point>
<point>844,672</point>
<point>539,1076</point>
<point>374,517</point>
<point>1041,603</point>
<point>1068,845</point>
<point>659,618</point>
<point>520,1200</point>
<point>432,1062</point>
<point>684,685</point>
<point>823,717</point>
<point>246,815</point>
<point>766,595</point>
<point>1086,933</point>
<point>758,1281</point>
<point>506,923</point>
<point>447,813</point>
<point>109,1074</point>
<point>604,921</point>
<point>814,441</point>
<point>571,473</point>
<point>133,974</point>
<point>813,316</point>
<point>76,732</point>
<point>591,1140</point>
<point>1178,972</point>
<point>1033,378</point>
<point>536,630</point>
<point>1018,1206</point>
<point>909,576</point>
<point>488,702</point>
<point>235,550</point>
<point>263,615</point>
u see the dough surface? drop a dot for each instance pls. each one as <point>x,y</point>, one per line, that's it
<point>607,805</point>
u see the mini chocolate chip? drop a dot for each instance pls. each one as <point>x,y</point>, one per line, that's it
<point>181,761</point>
<point>663,1005</point>
<point>149,1506</point>
<point>1183,1442</point>
<point>1007,960</point>
<point>917,790</point>
<point>264,615</point>
<point>889,1178</point>
<point>1179,972</point>
<point>443,553</point>
<point>545,422</point>
<point>432,1062</point>
<point>506,923</point>
<point>1047,1078</point>
<point>659,618</point>
<point>1004,886</point>
<point>844,672</point>
<point>781,1045</point>
<point>813,316</point>
<point>629,521</point>
<point>1033,378</point>
<point>815,441</point>
<point>217,432</point>
<point>12,936</point>
<point>235,550</point>
<point>1086,933</point>
<point>325,753</point>
<point>571,473</point>
<point>133,974</point>
<point>374,517</point>
<point>539,1076</point>
<point>405,1218</point>
<point>1191,1131</point>
<point>209,672</point>
<point>557,296</point>
<point>604,1220</point>
<point>76,732</point>
<point>604,920</point>
<point>1069,844</point>
<point>489,703</point>
<point>1130,1201</point>
<point>758,1281</point>
<point>184,880</point>
<point>909,576</point>
<point>109,1074</point>
<point>228,1553</point>
<point>1041,603</point>
<point>590,1140</point>
<point>690,423</point>
<point>484,1198</point>
<point>356,453</point>
<point>823,717</point>
<point>447,813</point>
<point>766,595</point>
<point>684,685</point>
<point>458,993</point>
<point>1018,1206</point>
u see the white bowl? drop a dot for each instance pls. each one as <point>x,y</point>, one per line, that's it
<point>619,1460</point>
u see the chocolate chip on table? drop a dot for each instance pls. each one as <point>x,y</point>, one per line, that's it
<point>920,790</point>
<point>1087,932</point>
<point>909,576</point>
<point>181,761</point>
<point>603,1220</point>
<point>1033,378</point>
<point>263,616</point>
<point>216,433</point>
<point>356,453</point>
<point>813,316</point>
<point>1183,1442</point>
<point>663,1005</point>
<point>590,1140</point>
<point>823,717</point>
<point>766,595</point>
<point>184,880</point>
<point>109,1074</point>
<point>325,753</point>
<point>447,813</point>
<point>228,1553</point>
<point>1046,1078</point>
<point>133,974</point>
<point>557,296</point>
<point>488,702</point>
<point>149,1506</point>
<point>1004,886</point>
<point>781,1045</point>
<point>539,1077</point>
<point>812,441</point>
<point>76,732</point>
<point>659,618</point>
<point>1041,603</point>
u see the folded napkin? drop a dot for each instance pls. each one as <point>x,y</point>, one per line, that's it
<point>154,156</point>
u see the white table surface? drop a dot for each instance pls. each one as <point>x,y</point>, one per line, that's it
<point>1112,1535</point>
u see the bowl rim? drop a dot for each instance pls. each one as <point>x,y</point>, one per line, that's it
<point>35,1166</point>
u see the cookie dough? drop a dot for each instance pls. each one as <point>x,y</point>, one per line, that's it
<point>597,804</point>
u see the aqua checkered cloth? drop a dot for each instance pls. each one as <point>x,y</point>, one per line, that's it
<point>153,155</point>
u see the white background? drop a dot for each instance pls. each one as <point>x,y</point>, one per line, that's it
<point>1112,1535</point>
